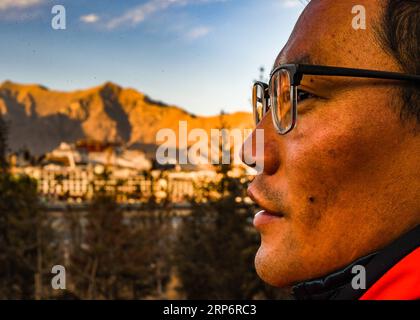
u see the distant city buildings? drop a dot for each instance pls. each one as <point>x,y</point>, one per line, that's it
<point>73,173</point>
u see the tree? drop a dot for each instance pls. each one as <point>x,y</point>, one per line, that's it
<point>114,256</point>
<point>26,237</point>
<point>3,145</point>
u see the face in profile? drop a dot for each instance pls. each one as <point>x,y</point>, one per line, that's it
<point>330,189</point>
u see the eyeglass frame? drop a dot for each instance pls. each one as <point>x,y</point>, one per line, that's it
<point>296,73</point>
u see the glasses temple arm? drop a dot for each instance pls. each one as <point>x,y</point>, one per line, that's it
<point>348,72</point>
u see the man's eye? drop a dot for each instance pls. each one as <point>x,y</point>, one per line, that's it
<point>303,95</point>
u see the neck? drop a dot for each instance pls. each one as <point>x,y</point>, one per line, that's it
<point>338,285</point>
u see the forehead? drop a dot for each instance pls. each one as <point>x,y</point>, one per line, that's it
<point>324,34</point>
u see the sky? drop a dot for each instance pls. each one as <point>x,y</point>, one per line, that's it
<point>201,55</point>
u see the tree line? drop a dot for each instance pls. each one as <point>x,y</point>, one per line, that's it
<point>107,254</point>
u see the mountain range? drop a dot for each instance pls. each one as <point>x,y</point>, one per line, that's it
<point>40,118</point>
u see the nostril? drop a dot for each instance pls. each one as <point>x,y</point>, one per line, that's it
<point>252,160</point>
<point>260,150</point>
<point>248,152</point>
<point>271,161</point>
<point>250,164</point>
<point>247,158</point>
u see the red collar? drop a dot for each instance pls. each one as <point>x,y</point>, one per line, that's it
<point>401,282</point>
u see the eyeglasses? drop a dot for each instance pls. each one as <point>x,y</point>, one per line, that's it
<point>282,94</point>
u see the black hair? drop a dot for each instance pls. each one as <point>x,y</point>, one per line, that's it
<point>399,33</point>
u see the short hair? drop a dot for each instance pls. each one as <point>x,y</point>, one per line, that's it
<point>399,32</point>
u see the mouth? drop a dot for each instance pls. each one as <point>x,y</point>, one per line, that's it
<point>263,218</point>
<point>265,215</point>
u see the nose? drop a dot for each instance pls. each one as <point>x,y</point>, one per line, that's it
<point>261,149</point>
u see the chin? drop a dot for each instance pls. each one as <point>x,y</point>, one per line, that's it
<point>273,269</point>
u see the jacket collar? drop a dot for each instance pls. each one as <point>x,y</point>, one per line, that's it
<point>337,286</point>
<point>328,287</point>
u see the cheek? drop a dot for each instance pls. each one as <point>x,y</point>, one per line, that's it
<point>329,151</point>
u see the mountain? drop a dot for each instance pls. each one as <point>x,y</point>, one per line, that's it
<point>40,118</point>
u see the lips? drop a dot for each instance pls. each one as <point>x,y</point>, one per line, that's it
<point>271,213</point>
<point>263,218</point>
<point>266,215</point>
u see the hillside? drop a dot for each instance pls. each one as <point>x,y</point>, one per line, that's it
<point>40,118</point>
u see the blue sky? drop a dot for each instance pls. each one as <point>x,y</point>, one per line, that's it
<point>202,55</point>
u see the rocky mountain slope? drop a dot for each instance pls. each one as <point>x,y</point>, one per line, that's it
<point>40,118</point>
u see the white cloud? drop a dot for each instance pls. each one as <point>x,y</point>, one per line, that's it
<point>292,3</point>
<point>198,32</point>
<point>18,4</point>
<point>140,13</point>
<point>90,18</point>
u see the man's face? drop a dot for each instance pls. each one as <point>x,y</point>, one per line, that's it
<point>341,184</point>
